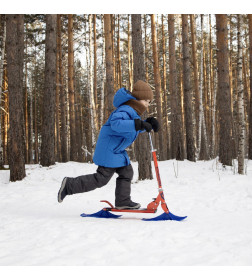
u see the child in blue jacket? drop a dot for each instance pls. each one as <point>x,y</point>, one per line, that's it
<point>119,132</point>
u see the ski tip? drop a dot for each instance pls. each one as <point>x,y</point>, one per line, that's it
<point>101,214</point>
<point>165,217</point>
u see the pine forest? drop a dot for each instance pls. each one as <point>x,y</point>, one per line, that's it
<point>59,74</point>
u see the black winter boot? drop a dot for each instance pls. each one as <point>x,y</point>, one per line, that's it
<point>62,191</point>
<point>131,205</point>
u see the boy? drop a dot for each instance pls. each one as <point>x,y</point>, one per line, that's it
<point>119,132</point>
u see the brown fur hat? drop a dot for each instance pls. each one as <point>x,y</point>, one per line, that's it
<point>142,91</point>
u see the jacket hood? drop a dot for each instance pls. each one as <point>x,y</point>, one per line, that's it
<point>122,96</point>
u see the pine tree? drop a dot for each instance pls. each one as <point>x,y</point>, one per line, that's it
<point>142,147</point>
<point>203,140</point>
<point>240,88</point>
<point>15,60</point>
<point>48,116</point>
<point>189,115</point>
<point>176,114</point>
<point>109,64</point>
<point>196,75</point>
<point>158,92</point>
<point>63,130</point>
<point>73,145</point>
<point>250,105</point>
<point>2,50</point>
<point>223,94</point>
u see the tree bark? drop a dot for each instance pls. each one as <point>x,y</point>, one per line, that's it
<point>202,152</point>
<point>26,108</point>
<point>196,73</point>
<point>119,62</point>
<point>250,106</point>
<point>130,74</point>
<point>142,146</point>
<point>73,146</point>
<point>95,63</point>
<point>103,78</point>
<point>158,93</point>
<point>57,99</point>
<point>6,116</point>
<point>241,116</point>
<point>48,116</point>
<point>189,117</point>
<point>62,96</point>
<point>165,104</point>
<point>94,121</point>
<point>177,150</point>
<point>146,50</point>
<point>223,94</point>
<point>15,58</point>
<point>1,83</point>
<point>109,64</point>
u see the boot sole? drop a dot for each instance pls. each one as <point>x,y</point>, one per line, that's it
<point>61,189</point>
<point>127,207</point>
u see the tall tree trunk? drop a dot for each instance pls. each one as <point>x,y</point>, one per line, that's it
<point>109,64</point>
<point>213,91</point>
<point>233,84</point>
<point>189,117</point>
<point>103,77</point>
<point>181,88</point>
<point>158,93</point>
<point>73,146</point>
<point>6,120</point>
<point>36,144</point>
<point>63,130</point>
<point>200,105</point>
<point>15,57</point>
<point>32,92</point>
<point>142,147</point>
<point>146,50</point>
<point>176,117</point>
<point>245,75</point>
<point>48,117</point>
<point>88,116</point>
<point>130,85</point>
<point>112,22</point>
<point>94,122</point>
<point>1,84</point>
<point>165,105</point>
<point>196,78</point>
<point>95,63</point>
<point>57,99</point>
<point>119,62</point>
<point>250,106</point>
<point>231,40</point>
<point>241,117</point>
<point>26,106</point>
<point>211,81</point>
<point>202,153</point>
<point>79,131</point>
<point>223,94</point>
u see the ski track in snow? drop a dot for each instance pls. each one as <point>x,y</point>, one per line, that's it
<point>36,230</point>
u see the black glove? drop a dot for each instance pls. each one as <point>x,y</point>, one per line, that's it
<point>141,125</point>
<point>154,123</point>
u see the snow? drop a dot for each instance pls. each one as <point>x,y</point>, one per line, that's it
<point>36,230</point>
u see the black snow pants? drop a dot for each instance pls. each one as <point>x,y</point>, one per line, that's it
<point>99,179</point>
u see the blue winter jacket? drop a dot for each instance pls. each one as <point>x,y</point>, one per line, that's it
<point>117,133</point>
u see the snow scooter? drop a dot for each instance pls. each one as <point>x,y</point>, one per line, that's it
<point>151,207</point>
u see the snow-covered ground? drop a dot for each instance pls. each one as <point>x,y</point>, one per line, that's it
<point>36,230</point>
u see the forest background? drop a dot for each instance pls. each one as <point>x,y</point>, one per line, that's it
<point>59,73</point>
